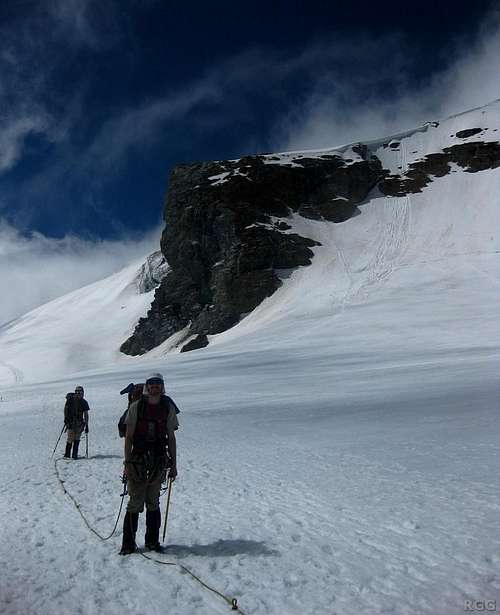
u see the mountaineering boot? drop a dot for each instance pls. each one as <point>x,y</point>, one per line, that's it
<point>130,522</point>
<point>76,444</point>
<point>67,452</point>
<point>153,523</point>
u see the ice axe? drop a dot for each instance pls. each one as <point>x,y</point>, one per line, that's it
<point>170,481</point>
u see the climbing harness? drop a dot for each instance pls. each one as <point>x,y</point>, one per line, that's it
<point>147,466</point>
<point>232,602</point>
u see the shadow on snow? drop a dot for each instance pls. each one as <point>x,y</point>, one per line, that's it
<point>105,456</point>
<point>222,548</point>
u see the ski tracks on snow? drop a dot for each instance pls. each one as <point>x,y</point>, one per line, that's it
<point>390,244</point>
<point>393,225</point>
<point>16,374</point>
<point>394,222</point>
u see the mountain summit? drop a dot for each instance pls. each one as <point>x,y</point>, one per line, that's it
<point>232,227</point>
<point>388,247</point>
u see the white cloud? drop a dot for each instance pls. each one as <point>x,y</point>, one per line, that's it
<point>33,48</point>
<point>377,97</point>
<point>13,133</point>
<point>350,88</point>
<point>87,23</point>
<point>72,19</point>
<point>37,269</point>
<point>139,126</point>
<point>23,86</point>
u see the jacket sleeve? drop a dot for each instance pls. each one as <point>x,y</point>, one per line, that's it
<point>172,421</point>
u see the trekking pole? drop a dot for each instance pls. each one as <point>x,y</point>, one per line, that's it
<point>170,481</point>
<point>87,444</point>
<point>60,436</point>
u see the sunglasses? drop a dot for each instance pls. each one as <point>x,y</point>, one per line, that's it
<point>157,383</point>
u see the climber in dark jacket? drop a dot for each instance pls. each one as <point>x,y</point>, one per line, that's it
<point>76,420</point>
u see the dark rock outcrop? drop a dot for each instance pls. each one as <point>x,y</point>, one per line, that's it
<point>472,157</point>
<point>468,132</point>
<point>200,341</point>
<point>475,156</point>
<point>226,235</point>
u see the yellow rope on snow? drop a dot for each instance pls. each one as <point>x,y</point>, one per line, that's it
<point>233,603</point>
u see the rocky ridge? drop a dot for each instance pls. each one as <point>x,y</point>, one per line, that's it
<point>228,226</point>
<point>151,273</point>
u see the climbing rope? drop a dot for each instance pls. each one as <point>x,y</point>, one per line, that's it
<point>77,506</point>
<point>233,603</point>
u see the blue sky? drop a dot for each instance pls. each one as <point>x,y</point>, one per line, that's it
<point>99,100</point>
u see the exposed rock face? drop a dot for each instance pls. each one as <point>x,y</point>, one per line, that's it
<point>468,132</point>
<point>200,341</point>
<point>225,237</point>
<point>152,272</point>
<point>472,157</point>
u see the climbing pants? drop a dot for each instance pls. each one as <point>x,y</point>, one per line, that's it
<point>142,492</point>
<point>74,435</point>
<point>145,476</point>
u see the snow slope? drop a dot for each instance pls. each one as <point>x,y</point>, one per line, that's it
<point>338,450</point>
<point>78,331</point>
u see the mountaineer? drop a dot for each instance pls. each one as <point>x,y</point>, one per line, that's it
<point>76,420</point>
<point>150,450</point>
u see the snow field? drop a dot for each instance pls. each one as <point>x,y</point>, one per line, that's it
<point>339,447</point>
<point>292,506</point>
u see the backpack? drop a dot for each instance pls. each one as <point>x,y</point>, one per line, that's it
<point>122,425</point>
<point>134,393</point>
<point>73,410</point>
<point>67,408</point>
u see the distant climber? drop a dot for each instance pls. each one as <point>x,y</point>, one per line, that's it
<point>150,450</point>
<point>76,420</point>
